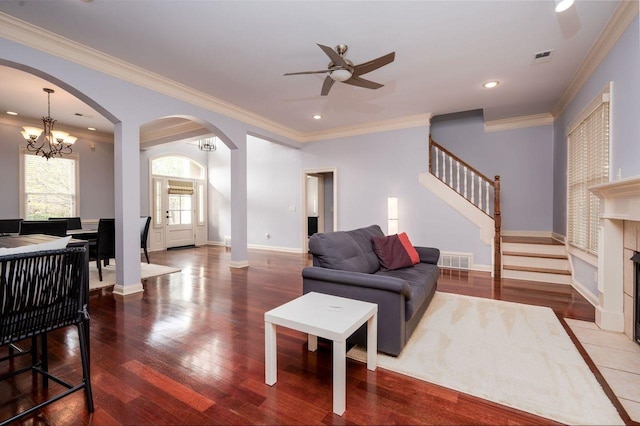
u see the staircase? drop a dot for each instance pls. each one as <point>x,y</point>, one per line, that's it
<point>540,259</point>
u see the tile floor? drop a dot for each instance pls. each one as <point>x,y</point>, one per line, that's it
<point>617,358</point>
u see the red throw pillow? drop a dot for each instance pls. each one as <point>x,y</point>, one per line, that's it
<point>411,251</point>
<point>391,252</point>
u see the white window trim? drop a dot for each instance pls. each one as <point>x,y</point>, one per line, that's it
<point>22,152</point>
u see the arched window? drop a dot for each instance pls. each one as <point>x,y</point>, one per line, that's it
<point>177,166</point>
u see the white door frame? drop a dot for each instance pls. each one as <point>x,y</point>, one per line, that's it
<point>303,210</point>
<point>157,240</point>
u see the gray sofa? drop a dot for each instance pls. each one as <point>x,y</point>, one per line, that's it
<point>345,264</point>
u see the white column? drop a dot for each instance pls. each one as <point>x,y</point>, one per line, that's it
<point>609,312</point>
<point>126,153</point>
<point>239,258</point>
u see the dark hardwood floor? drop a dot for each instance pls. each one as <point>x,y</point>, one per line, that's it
<point>190,350</point>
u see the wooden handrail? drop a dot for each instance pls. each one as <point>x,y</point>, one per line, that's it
<point>482,180</point>
<point>456,158</point>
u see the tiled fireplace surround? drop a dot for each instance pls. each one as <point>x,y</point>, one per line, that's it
<point>620,239</point>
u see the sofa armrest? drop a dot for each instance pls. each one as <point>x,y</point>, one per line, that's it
<point>428,254</point>
<point>359,279</point>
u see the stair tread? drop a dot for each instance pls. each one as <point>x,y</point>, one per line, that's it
<point>529,254</point>
<point>530,240</point>
<point>537,269</point>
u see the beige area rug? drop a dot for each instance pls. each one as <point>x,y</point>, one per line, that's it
<point>109,273</point>
<point>513,354</point>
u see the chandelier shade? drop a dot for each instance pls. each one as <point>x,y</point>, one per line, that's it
<point>53,143</point>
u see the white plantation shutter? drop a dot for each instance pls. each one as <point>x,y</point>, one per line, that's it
<point>588,157</point>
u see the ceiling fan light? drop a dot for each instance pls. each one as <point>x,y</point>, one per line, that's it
<point>562,5</point>
<point>340,75</point>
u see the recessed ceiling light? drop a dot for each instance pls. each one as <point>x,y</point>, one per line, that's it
<point>562,5</point>
<point>316,116</point>
<point>490,84</point>
<point>11,113</point>
<point>93,129</point>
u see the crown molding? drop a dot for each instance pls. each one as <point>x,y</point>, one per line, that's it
<point>371,127</point>
<point>624,14</point>
<point>518,122</point>
<point>38,38</point>
<point>80,133</point>
<point>22,32</point>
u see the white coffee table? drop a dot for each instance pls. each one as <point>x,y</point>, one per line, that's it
<point>330,317</point>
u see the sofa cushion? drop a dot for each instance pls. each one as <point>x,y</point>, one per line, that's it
<point>346,250</point>
<point>422,280</point>
<point>411,250</point>
<point>391,252</point>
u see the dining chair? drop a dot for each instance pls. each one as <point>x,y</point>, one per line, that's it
<point>144,234</point>
<point>104,247</point>
<point>72,222</point>
<point>41,292</point>
<point>9,226</point>
<point>57,228</point>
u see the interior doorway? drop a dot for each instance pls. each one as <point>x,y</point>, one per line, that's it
<point>319,205</point>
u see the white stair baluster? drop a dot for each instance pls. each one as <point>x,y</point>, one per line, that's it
<point>479,192</point>
<point>473,187</point>
<point>466,172</point>
<point>451,172</point>
<point>458,177</point>
<point>437,159</point>
<point>486,210</point>
<point>444,166</point>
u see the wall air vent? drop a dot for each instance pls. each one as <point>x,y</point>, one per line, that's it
<point>455,260</point>
<point>544,56</point>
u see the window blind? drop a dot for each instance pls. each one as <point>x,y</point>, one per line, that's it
<point>588,158</point>
<point>180,187</point>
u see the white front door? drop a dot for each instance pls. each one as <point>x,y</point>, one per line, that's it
<point>180,212</point>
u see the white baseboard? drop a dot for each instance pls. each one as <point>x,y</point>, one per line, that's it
<point>261,247</point>
<point>126,290</point>
<point>591,298</point>
<point>238,264</point>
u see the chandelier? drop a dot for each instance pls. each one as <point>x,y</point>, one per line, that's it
<point>207,144</point>
<point>53,143</point>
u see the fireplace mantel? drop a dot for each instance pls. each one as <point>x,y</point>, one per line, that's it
<point>621,198</point>
<point>620,204</point>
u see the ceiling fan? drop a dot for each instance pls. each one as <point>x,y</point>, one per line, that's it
<point>343,70</point>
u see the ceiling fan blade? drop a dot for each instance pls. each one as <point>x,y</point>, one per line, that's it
<point>326,86</point>
<point>361,82</point>
<point>374,64</point>
<point>335,58</point>
<point>306,72</point>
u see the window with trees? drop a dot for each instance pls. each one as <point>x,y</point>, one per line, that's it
<point>49,187</point>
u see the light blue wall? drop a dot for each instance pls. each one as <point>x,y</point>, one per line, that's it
<point>274,186</point>
<point>523,158</point>
<point>96,175</point>
<point>622,67</point>
<point>371,168</point>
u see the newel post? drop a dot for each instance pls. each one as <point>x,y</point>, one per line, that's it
<point>497,217</point>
